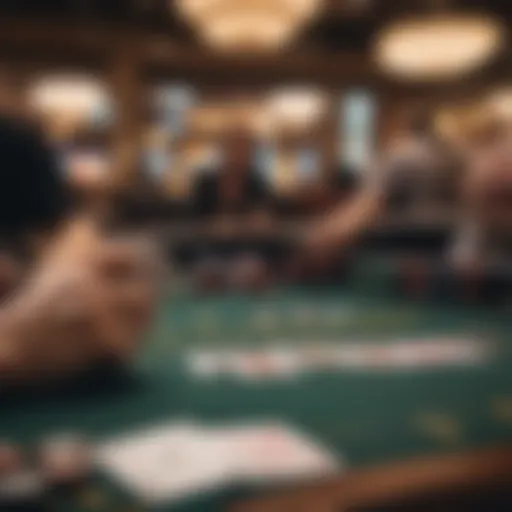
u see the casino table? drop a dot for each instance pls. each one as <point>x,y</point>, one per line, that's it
<point>372,419</point>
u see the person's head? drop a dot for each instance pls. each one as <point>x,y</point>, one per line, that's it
<point>33,194</point>
<point>238,150</point>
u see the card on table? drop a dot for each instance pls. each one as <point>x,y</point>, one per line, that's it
<point>204,364</point>
<point>273,452</point>
<point>245,364</point>
<point>166,463</point>
<point>281,361</point>
<point>172,462</point>
<point>268,363</point>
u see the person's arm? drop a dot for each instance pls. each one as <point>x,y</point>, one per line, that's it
<point>347,221</point>
<point>34,319</point>
<point>87,298</point>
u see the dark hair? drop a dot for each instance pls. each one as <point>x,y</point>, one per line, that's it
<point>32,191</point>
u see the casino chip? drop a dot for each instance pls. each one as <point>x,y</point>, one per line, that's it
<point>94,499</point>
<point>23,491</point>
<point>11,459</point>
<point>66,460</point>
<point>439,427</point>
<point>501,408</point>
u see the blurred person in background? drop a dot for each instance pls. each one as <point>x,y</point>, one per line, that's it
<point>234,198</point>
<point>484,232</point>
<point>80,297</point>
<point>235,187</point>
<point>414,178</point>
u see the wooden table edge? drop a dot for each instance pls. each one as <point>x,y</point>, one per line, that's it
<point>387,482</point>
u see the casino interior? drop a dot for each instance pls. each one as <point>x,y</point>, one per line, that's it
<point>228,133</point>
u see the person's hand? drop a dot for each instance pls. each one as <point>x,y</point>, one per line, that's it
<point>127,274</point>
<point>90,299</point>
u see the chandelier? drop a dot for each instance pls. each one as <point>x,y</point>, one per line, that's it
<point>68,102</point>
<point>248,25</point>
<point>438,46</point>
<point>77,95</point>
<point>297,108</point>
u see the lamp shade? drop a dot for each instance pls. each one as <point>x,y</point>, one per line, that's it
<point>297,107</point>
<point>438,46</point>
<point>69,95</point>
<point>248,24</point>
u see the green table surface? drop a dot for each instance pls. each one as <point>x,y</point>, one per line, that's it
<point>367,417</point>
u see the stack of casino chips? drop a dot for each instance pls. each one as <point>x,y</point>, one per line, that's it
<point>65,460</point>
<point>22,487</point>
<point>27,484</point>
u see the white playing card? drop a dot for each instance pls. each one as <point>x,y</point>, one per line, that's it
<point>204,364</point>
<point>287,360</point>
<point>166,463</point>
<point>268,364</point>
<point>273,453</point>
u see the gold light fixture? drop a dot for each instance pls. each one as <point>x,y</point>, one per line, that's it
<point>67,102</point>
<point>68,94</point>
<point>248,25</point>
<point>297,108</point>
<point>438,46</point>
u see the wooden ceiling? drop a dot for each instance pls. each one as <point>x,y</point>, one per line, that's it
<point>344,24</point>
<point>334,48</point>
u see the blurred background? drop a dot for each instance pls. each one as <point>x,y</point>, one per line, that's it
<point>216,120</point>
<point>227,128</point>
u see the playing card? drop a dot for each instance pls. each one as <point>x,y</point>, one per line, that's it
<point>318,356</point>
<point>268,363</point>
<point>287,361</point>
<point>274,452</point>
<point>254,365</point>
<point>350,356</point>
<point>205,364</point>
<point>166,463</point>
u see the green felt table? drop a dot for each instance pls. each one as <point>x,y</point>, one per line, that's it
<point>368,417</point>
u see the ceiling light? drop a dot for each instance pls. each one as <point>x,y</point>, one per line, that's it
<point>298,107</point>
<point>440,46</point>
<point>249,24</point>
<point>70,95</point>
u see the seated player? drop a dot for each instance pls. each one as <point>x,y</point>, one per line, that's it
<point>413,178</point>
<point>235,188</point>
<point>84,298</point>
<point>483,240</point>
